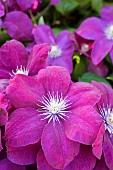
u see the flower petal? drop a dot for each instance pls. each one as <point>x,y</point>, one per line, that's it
<point>24,127</point>
<point>23,155</point>
<point>83,125</point>
<point>90,28</point>
<point>55,79</point>
<point>108,149</point>
<point>101,48</point>
<point>101,165</point>
<point>97,145</point>
<point>42,163</point>
<point>5,164</point>
<point>81,161</point>
<point>37,58</point>
<point>82,94</point>
<point>44,34</point>
<point>107,13</point>
<point>58,149</point>
<point>27,94</point>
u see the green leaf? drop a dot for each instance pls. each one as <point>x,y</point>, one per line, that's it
<point>89,76</point>
<point>97,5</point>
<point>109,77</point>
<point>66,6</point>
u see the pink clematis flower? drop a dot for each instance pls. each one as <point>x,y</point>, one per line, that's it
<point>53,110</point>
<point>104,140</point>
<point>14,59</point>
<point>101,31</point>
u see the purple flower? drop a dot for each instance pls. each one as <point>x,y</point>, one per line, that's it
<point>54,2</point>
<point>14,59</point>
<point>5,164</point>
<point>104,140</point>
<point>18,25</point>
<point>54,110</point>
<point>100,30</point>
<point>100,164</point>
<point>62,48</point>
<point>26,4</point>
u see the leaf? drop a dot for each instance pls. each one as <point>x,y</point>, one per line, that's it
<point>88,77</point>
<point>97,5</point>
<point>66,6</point>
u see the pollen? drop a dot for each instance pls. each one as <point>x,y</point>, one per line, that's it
<point>21,70</point>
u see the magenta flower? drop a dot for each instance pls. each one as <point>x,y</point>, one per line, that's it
<point>14,59</point>
<point>54,2</point>
<point>100,30</point>
<point>54,110</point>
<point>18,25</point>
<point>104,140</point>
<point>100,164</point>
<point>62,48</point>
<point>5,164</point>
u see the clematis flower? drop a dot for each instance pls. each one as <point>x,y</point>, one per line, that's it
<point>54,2</point>
<point>14,59</point>
<point>100,164</point>
<point>101,31</point>
<point>18,25</point>
<point>62,48</point>
<point>1,10</point>
<point>54,110</point>
<point>104,140</point>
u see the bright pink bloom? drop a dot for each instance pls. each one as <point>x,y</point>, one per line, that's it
<point>54,110</point>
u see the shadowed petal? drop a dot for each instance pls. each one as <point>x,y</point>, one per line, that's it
<point>26,4</point>
<point>5,164</point>
<point>0,141</point>
<point>83,125</point>
<point>37,58</point>
<point>108,150</point>
<point>1,10</point>
<point>42,163</point>
<point>101,165</point>
<point>107,13</point>
<point>27,94</point>
<point>90,28</point>
<point>58,149</point>
<point>81,161</point>
<point>24,155</point>
<point>24,127</point>
<point>101,48</point>
<point>97,145</point>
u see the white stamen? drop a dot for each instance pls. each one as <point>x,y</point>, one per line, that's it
<point>107,115</point>
<point>21,70</point>
<point>55,51</point>
<point>109,32</point>
<point>85,47</point>
<point>54,107</point>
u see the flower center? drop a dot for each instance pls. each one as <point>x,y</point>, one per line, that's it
<point>85,47</point>
<point>54,107</point>
<point>107,115</point>
<point>21,70</point>
<point>55,51</point>
<point>109,32</point>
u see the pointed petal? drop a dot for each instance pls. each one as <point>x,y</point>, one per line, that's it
<point>90,28</point>
<point>101,48</point>
<point>58,149</point>
<point>37,58</point>
<point>27,94</point>
<point>23,155</point>
<point>108,149</point>
<point>83,125</point>
<point>97,145</point>
<point>5,164</point>
<point>81,161</point>
<point>24,127</point>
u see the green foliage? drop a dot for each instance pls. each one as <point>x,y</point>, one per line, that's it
<point>66,6</point>
<point>89,76</point>
<point>97,5</point>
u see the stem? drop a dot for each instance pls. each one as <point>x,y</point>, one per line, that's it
<point>42,12</point>
<point>32,17</point>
